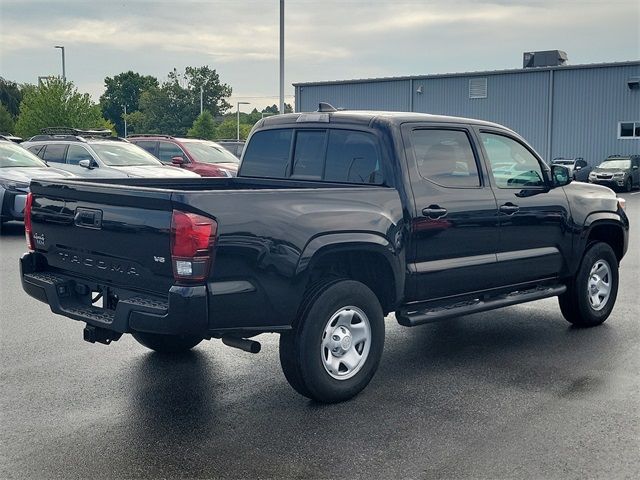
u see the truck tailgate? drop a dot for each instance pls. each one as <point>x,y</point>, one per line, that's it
<point>116,235</point>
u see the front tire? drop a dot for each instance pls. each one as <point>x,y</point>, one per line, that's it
<point>167,343</point>
<point>334,351</point>
<point>592,293</point>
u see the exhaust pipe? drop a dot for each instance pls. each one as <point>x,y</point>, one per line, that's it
<point>250,346</point>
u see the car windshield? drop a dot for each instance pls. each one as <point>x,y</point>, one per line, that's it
<point>12,155</point>
<point>563,162</point>
<point>209,152</point>
<point>124,155</point>
<point>609,164</point>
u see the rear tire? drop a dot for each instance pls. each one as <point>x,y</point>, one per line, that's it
<point>591,294</point>
<point>334,351</point>
<point>167,343</point>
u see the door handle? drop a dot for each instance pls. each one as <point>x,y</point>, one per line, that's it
<point>509,208</point>
<point>434,212</point>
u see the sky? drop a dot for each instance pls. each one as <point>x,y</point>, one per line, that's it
<point>324,40</point>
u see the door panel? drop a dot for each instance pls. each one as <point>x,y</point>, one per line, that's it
<point>534,219</point>
<point>455,225</point>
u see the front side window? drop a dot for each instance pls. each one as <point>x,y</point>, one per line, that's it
<point>168,150</point>
<point>445,157</point>
<point>54,153</point>
<point>512,164</point>
<point>77,153</point>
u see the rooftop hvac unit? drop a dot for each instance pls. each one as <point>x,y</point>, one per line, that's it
<point>546,58</point>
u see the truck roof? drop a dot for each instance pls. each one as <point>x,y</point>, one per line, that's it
<point>365,117</point>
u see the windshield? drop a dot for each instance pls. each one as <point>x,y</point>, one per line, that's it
<point>563,162</point>
<point>615,164</point>
<point>123,155</point>
<point>209,152</point>
<point>12,155</point>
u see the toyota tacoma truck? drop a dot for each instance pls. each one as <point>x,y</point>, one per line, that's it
<point>335,220</point>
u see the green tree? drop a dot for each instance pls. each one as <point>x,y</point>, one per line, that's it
<point>273,109</point>
<point>6,120</point>
<point>228,129</point>
<point>214,93</point>
<point>203,127</point>
<point>10,96</point>
<point>124,89</point>
<point>57,103</point>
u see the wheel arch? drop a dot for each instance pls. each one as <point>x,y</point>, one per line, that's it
<point>366,257</point>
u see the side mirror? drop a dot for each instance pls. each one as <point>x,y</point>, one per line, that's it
<point>560,176</point>
<point>578,167</point>
<point>635,167</point>
<point>87,164</point>
<point>178,161</point>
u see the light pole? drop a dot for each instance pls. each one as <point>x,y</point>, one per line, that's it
<point>281,57</point>
<point>201,98</point>
<point>64,73</point>
<point>125,120</point>
<point>238,118</point>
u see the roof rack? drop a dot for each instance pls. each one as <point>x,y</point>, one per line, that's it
<point>74,135</point>
<point>143,135</point>
<point>10,137</point>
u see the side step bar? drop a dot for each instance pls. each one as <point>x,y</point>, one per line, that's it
<point>413,317</point>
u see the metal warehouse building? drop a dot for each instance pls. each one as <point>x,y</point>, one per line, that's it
<point>590,111</point>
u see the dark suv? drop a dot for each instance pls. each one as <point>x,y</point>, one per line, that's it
<point>204,157</point>
<point>618,172</point>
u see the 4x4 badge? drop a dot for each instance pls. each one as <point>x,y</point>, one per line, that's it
<point>39,238</point>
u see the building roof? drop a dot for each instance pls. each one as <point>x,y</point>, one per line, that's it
<point>473,74</point>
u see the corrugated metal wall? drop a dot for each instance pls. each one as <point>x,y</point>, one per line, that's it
<point>587,105</point>
<point>517,101</point>
<point>379,95</point>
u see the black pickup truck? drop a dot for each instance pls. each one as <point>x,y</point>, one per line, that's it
<point>336,219</point>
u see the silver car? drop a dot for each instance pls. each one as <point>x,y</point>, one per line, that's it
<point>101,157</point>
<point>17,168</point>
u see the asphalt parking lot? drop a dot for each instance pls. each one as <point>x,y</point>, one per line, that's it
<point>506,394</point>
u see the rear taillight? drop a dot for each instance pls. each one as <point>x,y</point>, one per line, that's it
<point>193,237</point>
<point>28,232</point>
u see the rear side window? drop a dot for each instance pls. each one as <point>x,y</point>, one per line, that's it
<point>352,157</point>
<point>267,154</point>
<point>54,153</point>
<point>36,149</point>
<point>148,146</point>
<point>445,157</point>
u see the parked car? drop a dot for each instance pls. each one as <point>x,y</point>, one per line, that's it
<point>579,169</point>
<point>618,172</point>
<point>335,219</point>
<point>17,168</point>
<point>234,146</point>
<point>96,154</point>
<point>11,137</point>
<point>203,157</point>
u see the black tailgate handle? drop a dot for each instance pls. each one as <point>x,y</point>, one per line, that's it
<point>88,218</point>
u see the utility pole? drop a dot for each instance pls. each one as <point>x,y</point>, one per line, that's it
<point>281,57</point>
<point>125,120</point>
<point>64,73</point>
<point>201,98</point>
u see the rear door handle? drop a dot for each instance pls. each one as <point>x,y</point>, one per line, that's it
<point>509,208</point>
<point>434,212</point>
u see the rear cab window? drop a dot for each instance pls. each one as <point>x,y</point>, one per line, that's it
<point>331,155</point>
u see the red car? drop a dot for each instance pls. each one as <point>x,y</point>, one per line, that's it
<point>203,157</point>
